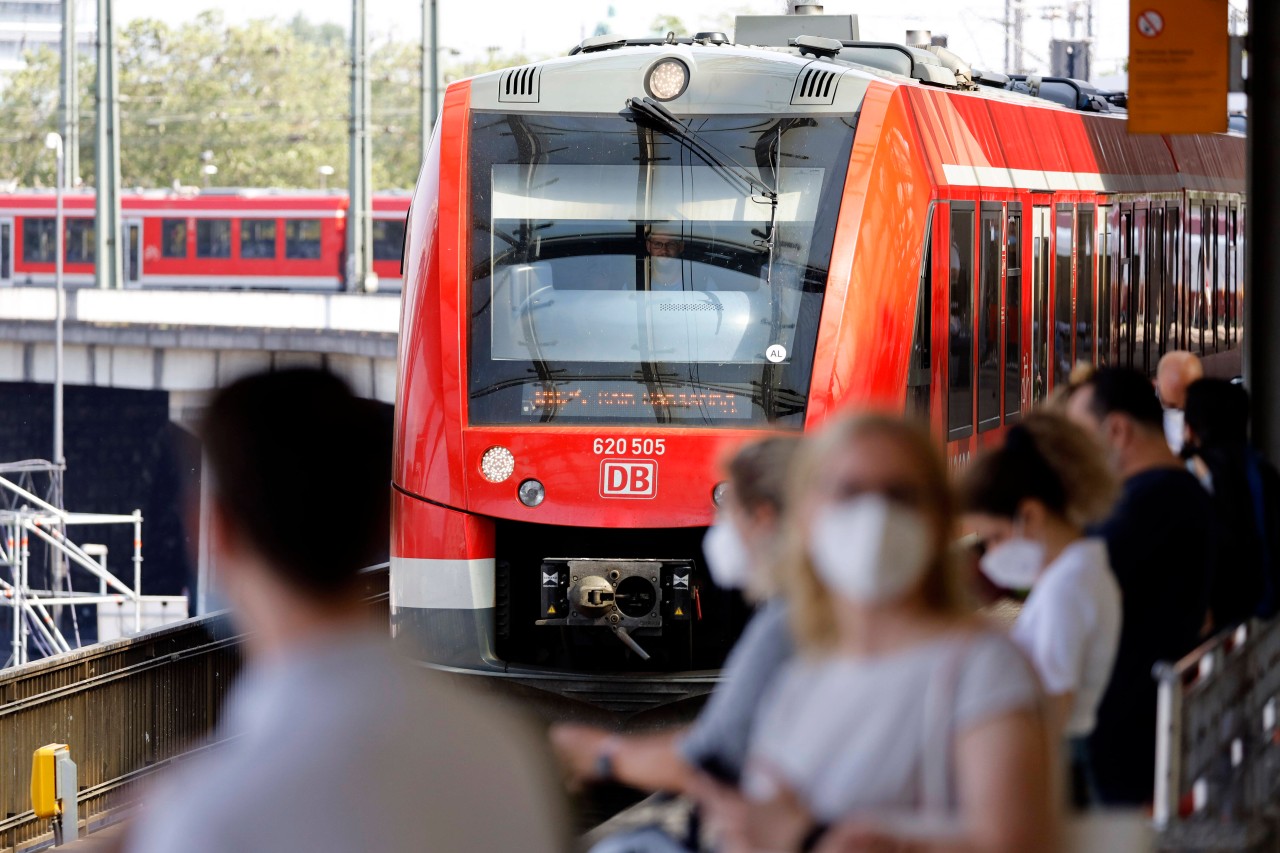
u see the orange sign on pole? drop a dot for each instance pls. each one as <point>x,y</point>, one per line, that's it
<point>1178,66</point>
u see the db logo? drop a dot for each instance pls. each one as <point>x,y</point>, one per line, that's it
<point>628,478</point>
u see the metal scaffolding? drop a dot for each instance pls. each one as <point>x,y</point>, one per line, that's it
<point>24,517</point>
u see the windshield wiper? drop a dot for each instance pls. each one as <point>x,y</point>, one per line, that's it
<point>728,168</point>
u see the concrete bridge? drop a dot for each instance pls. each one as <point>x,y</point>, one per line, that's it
<point>190,342</point>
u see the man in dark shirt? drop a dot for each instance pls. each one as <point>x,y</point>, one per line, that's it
<point>1161,541</point>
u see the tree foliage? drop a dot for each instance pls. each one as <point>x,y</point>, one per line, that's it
<point>270,100</point>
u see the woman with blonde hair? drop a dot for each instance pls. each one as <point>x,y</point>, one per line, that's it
<point>1030,501</point>
<point>903,722</point>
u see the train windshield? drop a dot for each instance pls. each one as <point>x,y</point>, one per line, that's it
<point>618,277</point>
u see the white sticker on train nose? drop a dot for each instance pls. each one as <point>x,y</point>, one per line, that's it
<point>628,478</point>
<point>776,353</point>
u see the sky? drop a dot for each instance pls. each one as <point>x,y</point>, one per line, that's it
<point>551,27</point>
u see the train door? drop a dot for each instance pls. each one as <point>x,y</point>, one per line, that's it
<point>1064,292</point>
<point>132,252</point>
<point>6,252</point>
<point>1013,364</point>
<point>1040,253</point>
<point>961,349</point>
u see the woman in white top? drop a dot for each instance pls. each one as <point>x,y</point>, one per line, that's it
<point>1030,501</point>
<point>903,723</point>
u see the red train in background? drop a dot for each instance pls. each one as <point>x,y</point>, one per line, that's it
<point>236,238</point>
<point>844,225</point>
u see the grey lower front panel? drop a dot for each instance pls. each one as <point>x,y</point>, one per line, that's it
<point>454,638</point>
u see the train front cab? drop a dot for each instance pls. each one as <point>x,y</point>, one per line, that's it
<point>503,381</point>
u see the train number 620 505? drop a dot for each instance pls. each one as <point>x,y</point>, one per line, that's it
<point>634,446</point>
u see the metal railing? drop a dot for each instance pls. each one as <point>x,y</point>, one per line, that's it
<point>1217,742</point>
<point>126,708</point>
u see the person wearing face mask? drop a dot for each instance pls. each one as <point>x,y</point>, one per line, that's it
<point>1029,501</point>
<point>904,721</point>
<point>737,547</point>
<point>1162,538</point>
<point>1174,374</point>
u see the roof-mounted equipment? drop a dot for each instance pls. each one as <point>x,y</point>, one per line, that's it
<point>817,46</point>
<point>779,30</point>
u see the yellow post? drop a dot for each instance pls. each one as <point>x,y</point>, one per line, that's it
<point>44,781</point>
<point>54,791</point>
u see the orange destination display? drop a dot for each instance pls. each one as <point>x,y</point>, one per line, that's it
<point>1177,66</point>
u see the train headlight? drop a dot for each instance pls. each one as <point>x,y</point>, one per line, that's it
<point>667,79</point>
<point>497,464</point>
<point>719,492</point>
<point>531,493</point>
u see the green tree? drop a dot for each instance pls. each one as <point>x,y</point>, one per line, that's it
<point>270,100</point>
<point>663,24</point>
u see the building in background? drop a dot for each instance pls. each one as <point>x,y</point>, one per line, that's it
<point>27,25</point>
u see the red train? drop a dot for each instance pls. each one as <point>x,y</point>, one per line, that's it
<point>246,238</point>
<point>623,263</point>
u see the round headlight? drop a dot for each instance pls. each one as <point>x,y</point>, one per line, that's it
<point>497,464</point>
<point>531,493</point>
<point>667,79</point>
<point>719,492</point>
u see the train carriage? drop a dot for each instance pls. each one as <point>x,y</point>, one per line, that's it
<point>848,237</point>
<point>243,238</point>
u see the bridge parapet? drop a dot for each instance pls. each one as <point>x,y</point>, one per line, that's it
<point>188,342</point>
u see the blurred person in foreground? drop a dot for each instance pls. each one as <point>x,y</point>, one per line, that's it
<point>335,744</point>
<point>1029,501</point>
<point>1174,374</point>
<point>1161,538</point>
<point>738,547</point>
<point>1246,492</point>
<point>903,722</point>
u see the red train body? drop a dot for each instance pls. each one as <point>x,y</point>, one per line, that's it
<point>944,251</point>
<point>238,238</point>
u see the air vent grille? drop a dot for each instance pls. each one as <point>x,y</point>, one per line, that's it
<point>816,84</point>
<point>520,85</point>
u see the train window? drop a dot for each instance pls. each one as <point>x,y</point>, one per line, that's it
<point>1220,289</point>
<point>1155,284</point>
<point>961,349</point>
<point>213,238</point>
<point>1039,303</point>
<point>1085,324</point>
<point>173,238</point>
<point>39,240</point>
<point>302,239</point>
<point>990,238</point>
<point>388,239</point>
<point>1138,274</point>
<point>1241,234</point>
<point>1124,291</point>
<point>257,239</point>
<point>1233,278</point>
<point>1013,315</point>
<point>1171,316</point>
<point>1195,296</point>
<point>1105,245</point>
<point>618,278</point>
<point>80,241</point>
<point>1063,288</point>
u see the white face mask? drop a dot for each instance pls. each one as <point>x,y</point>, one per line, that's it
<point>1173,428</point>
<point>728,558</point>
<point>869,549</point>
<point>1015,563</point>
